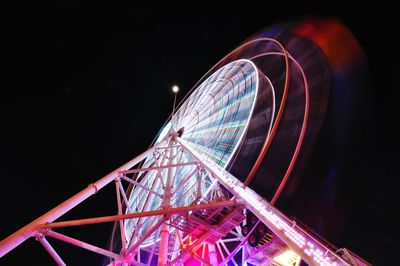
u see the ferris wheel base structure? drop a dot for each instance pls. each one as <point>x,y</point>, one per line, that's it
<point>206,224</point>
<point>252,120</point>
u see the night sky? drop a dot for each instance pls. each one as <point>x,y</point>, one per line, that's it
<point>86,87</point>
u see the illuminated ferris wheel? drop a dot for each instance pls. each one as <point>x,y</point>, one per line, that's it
<point>204,192</point>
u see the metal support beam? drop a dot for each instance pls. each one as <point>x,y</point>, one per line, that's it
<point>150,258</point>
<point>29,230</point>
<point>241,245</point>
<point>164,234</point>
<point>121,222</point>
<point>51,250</point>
<point>82,244</point>
<point>155,168</point>
<point>133,182</point>
<point>163,250</point>
<point>149,199</point>
<point>180,260</point>
<point>126,201</point>
<point>308,247</point>
<point>212,254</point>
<point>113,218</point>
<point>132,250</point>
<point>183,182</point>
<point>229,253</point>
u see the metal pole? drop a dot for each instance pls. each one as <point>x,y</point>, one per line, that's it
<point>113,218</point>
<point>132,250</point>
<point>163,255</point>
<point>156,168</point>
<point>133,182</point>
<point>147,205</point>
<point>51,250</point>
<point>173,108</point>
<point>121,222</point>
<point>82,244</point>
<point>27,231</point>
<point>212,253</point>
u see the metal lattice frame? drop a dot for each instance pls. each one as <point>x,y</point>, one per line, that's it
<point>182,205</point>
<point>217,239</point>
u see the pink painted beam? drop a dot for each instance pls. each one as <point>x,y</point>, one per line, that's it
<point>113,218</point>
<point>82,244</point>
<point>51,251</point>
<point>30,230</point>
<point>156,168</point>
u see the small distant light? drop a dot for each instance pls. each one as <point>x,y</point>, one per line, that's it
<point>175,89</point>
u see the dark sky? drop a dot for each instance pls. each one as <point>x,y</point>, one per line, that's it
<point>86,87</point>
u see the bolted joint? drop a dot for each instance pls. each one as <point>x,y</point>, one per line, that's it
<point>93,186</point>
<point>42,233</point>
<point>39,237</point>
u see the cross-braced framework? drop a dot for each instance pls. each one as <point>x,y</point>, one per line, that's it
<point>205,228</point>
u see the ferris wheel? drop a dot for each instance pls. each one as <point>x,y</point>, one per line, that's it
<point>204,192</point>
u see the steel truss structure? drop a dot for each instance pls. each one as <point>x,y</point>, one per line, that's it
<point>180,202</point>
<point>205,232</point>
